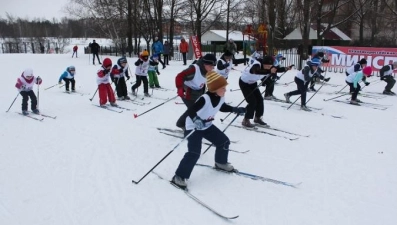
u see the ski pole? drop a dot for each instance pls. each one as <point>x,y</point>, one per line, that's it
<point>94,93</point>
<point>317,90</point>
<point>51,86</point>
<point>38,95</point>
<point>293,102</point>
<point>158,163</point>
<point>13,102</point>
<point>231,90</point>
<point>336,97</point>
<point>247,97</point>
<point>286,84</point>
<point>136,115</point>
<point>223,131</point>
<point>341,89</point>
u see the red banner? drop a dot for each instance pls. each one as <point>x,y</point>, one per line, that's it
<point>196,46</point>
<point>346,56</point>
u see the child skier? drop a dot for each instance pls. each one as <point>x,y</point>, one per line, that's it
<point>302,80</point>
<point>104,88</point>
<point>200,116</point>
<point>224,64</point>
<point>353,81</point>
<point>25,85</point>
<point>386,74</point>
<point>153,71</point>
<point>119,71</point>
<point>141,72</point>
<point>68,77</point>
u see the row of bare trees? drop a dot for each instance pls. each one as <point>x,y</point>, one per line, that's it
<point>368,22</point>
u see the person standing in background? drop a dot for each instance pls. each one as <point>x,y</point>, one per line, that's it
<point>167,48</point>
<point>184,48</point>
<point>157,49</point>
<point>94,50</point>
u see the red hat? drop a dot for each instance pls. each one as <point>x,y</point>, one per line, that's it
<point>107,62</point>
<point>367,71</point>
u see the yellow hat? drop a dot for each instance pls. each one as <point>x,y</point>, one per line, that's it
<point>145,53</point>
<point>215,81</point>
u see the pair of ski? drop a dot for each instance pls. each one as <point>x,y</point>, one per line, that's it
<point>116,109</point>
<point>161,89</point>
<point>176,134</point>
<point>262,131</point>
<point>236,172</point>
<point>75,93</point>
<point>365,104</point>
<point>37,117</point>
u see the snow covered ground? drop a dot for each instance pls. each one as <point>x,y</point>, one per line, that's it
<point>77,168</point>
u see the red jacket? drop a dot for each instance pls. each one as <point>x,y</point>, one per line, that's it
<point>183,46</point>
<point>75,48</point>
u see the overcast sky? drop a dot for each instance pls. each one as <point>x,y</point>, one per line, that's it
<point>31,9</point>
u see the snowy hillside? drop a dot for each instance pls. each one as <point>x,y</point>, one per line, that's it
<point>77,168</point>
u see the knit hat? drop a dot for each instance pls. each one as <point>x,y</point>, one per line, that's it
<point>315,62</point>
<point>107,62</point>
<point>367,71</point>
<point>267,60</point>
<point>28,72</point>
<point>122,60</point>
<point>363,61</point>
<point>209,59</point>
<point>145,53</point>
<point>215,81</point>
<point>71,68</point>
<point>320,54</point>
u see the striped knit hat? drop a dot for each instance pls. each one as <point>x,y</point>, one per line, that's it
<point>215,81</point>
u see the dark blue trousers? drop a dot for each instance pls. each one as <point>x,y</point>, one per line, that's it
<point>212,134</point>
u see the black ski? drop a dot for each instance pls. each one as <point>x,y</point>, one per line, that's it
<point>253,176</point>
<point>205,143</point>
<point>190,195</point>
<point>32,117</point>
<point>264,132</point>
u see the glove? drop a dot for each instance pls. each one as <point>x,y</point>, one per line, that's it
<point>239,110</point>
<point>198,122</point>
<point>382,77</point>
<point>366,83</point>
<point>290,67</point>
<point>181,92</point>
<point>325,60</point>
<point>128,77</point>
<point>39,80</point>
<point>158,73</point>
<point>327,79</point>
<point>121,70</point>
<point>275,77</point>
<point>60,82</point>
<point>226,64</point>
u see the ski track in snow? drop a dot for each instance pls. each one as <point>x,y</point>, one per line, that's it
<point>77,169</point>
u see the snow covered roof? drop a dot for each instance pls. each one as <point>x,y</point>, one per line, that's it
<point>332,34</point>
<point>220,35</point>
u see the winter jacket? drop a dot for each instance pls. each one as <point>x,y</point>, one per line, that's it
<point>183,46</point>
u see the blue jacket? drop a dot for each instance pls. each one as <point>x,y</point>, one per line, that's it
<point>157,47</point>
<point>359,76</point>
<point>66,74</point>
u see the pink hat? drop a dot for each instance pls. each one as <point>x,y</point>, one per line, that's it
<point>367,71</point>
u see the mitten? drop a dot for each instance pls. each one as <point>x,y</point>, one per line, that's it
<point>239,110</point>
<point>181,92</point>
<point>198,122</point>
<point>226,64</point>
<point>39,80</point>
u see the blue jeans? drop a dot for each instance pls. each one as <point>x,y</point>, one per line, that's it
<point>212,134</point>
